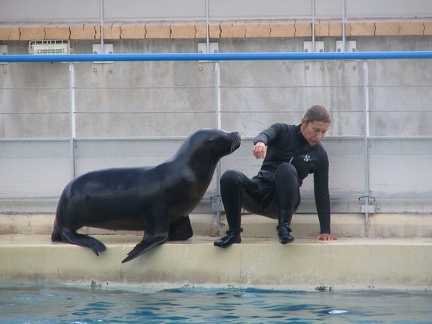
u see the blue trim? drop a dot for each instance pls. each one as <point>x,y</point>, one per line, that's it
<point>264,56</point>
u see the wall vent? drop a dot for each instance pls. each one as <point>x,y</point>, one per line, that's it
<point>49,47</point>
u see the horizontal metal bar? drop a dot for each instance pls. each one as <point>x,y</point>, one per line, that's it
<point>261,56</point>
<point>400,138</point>
<point>167,138</point>
<point>94,139</point>
<point>143,112</point>
<point>34,88</point>
<point>34,113</point>
<point>33,139</point>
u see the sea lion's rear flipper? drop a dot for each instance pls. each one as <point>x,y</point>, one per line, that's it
<point>72,237</point>
<point>146,244</point>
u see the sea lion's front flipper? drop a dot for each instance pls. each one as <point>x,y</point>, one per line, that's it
<point>72,237</point>
<point>181,229</point>
<point>146,244</point>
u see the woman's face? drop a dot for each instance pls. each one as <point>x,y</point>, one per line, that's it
<point>314,132</point>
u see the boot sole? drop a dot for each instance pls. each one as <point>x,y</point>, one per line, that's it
<point>286,242</point>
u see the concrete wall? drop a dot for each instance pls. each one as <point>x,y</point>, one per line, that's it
<point>123,107</point>
<point>160,98</point>
<point>133,10</point>
<point>143,100</point>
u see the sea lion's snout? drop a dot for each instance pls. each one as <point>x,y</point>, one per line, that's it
<point>236,141</point>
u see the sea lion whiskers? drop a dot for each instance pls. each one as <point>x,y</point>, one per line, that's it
<point>235,144</point>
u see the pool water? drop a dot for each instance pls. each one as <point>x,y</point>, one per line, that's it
<point>48,303</point>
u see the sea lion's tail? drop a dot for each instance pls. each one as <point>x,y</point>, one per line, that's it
<point>56,233</point>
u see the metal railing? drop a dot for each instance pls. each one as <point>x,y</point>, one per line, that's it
<point>218,57</point>
<point>364,151</point>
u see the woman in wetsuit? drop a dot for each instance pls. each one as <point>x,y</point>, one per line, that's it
<point>290,153</point>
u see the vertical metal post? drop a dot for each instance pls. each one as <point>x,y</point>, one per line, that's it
<point>218,125</point>
<point>207,26</point>
<point>217,95</point>
<point>366,136</point>
<point>72,135</point>
<point>102,34</point>
<point>313,26</point>
<point>343,24</point>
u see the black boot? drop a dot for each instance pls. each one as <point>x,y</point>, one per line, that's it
<point>284,234</point>
<point>284,229</point>
<point>233,236</point>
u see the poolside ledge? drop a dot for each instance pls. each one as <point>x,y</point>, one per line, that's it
<point>350,262</point>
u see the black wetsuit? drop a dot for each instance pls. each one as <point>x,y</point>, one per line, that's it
<point>290,157</point>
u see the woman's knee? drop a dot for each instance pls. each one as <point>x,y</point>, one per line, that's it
<point>232,177</point>
<point>286,171</point>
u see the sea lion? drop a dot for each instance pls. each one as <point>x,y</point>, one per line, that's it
<point>155,199</point>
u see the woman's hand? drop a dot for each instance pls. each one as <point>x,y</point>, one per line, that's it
<point>326,237</point>
<point>259,150</point>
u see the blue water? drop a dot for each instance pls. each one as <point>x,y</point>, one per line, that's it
<point>47,303</point>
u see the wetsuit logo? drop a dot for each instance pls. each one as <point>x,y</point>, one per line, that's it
<point>307,158</point>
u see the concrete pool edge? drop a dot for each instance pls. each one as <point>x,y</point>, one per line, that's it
<point>349,263</point>
<point>303,225</point>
